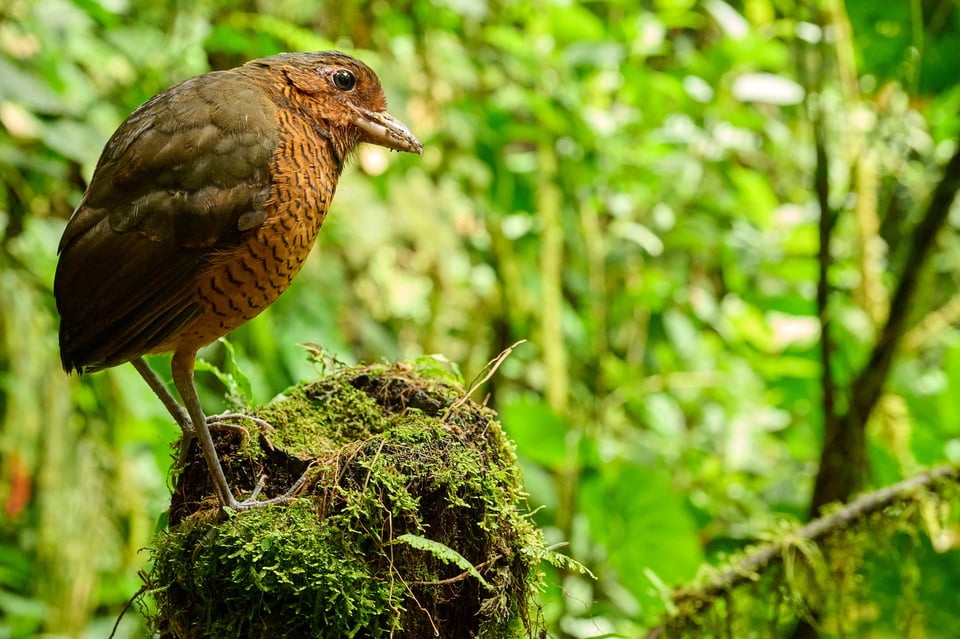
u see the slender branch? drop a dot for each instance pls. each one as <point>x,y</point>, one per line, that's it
<point>843,459</point>
<point>813,59</point>
<point>866,388</point>
<point>747,569</point>
<point>143,589</point>
<point>825,227</point>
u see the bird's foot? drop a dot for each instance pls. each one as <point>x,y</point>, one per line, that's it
<point>223,422</point>
<point>252,501</point>
<point>226,421</point>
<point>229,421</point>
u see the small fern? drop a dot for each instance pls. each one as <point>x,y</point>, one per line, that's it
<point>444,553</point>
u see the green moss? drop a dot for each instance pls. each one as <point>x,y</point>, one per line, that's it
<point>321,417</point>
<point>395,453</point>
<point>266,575</point>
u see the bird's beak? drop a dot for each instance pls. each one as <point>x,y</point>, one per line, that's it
<point>379,127</point>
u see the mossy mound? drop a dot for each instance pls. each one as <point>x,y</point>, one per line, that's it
<point>408,528</point>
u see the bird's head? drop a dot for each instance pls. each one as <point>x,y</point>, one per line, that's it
<point>346,94</point>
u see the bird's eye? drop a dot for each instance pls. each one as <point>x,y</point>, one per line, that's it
<point>344,80</point>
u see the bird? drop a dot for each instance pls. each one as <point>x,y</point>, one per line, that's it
<point>202,208</point>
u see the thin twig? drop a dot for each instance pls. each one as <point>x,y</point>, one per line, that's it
<point>463,575</point>
<point>436,631</point>
<point>487,372</point>
<point>373,462</point>
<point>126,607</point>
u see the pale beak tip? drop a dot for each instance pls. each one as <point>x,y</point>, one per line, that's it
<point>383,129</point>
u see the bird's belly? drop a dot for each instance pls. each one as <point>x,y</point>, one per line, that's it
<point>244,281</point>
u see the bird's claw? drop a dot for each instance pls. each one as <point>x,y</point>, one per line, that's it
<point>259,487</point>
<point>252,502</point>
<point>224,420</point>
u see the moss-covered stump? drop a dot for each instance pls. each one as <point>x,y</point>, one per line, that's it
<point>409,525</point>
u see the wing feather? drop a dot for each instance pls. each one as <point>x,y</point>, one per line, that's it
<point>181,180</point>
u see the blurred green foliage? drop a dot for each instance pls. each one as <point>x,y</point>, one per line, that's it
<point>628,185</point>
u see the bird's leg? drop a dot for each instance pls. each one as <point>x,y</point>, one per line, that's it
<point>182,366</point>
<point>160,390</point>
<point>173,407</point>
<point>180,415</point>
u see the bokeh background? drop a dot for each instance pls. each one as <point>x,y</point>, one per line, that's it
<point>631,186</point>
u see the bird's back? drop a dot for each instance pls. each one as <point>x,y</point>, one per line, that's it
<point>185,180</point>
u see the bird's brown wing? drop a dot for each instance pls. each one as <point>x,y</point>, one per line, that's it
<point>180,180</point>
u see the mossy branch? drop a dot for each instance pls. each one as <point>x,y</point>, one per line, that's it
<point>748,568</point>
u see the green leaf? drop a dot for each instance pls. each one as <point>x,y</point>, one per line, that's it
<point>558,560</point>
<point>635,514</point>
<point>539,433</point>
<point>237,383</point>
<point>233,368</point>
<point>442,552</point>
<point>438,367</point>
